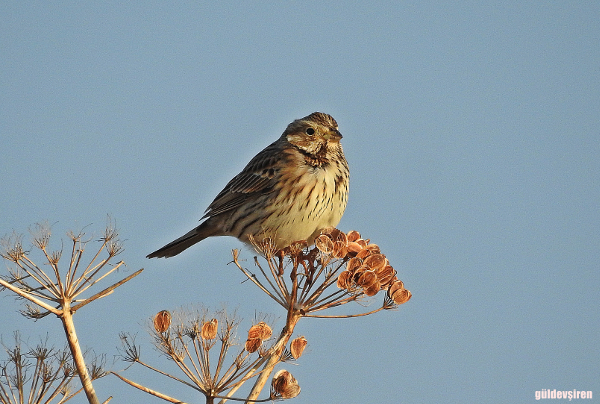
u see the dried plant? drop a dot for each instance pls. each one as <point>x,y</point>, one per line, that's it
<point>205,350</point>
<point>306,281</point>
<point>340,268</point>
<point>61,290</point>
<point>38,375</point>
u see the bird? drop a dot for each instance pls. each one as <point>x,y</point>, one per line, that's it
<point>289,191</point>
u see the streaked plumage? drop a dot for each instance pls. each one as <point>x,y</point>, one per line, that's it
<point>289,191</point>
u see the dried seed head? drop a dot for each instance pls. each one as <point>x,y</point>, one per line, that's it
<point>297,347</point>
<point>364,253</point>
<point>324,244</point>
<point>252,344</point>
<point>343,281</point>
<point>386,276</point>
<point>162,321</point>
<point>261,331</point>
<point>372,289</point>
<point>265,246</point>
<point>209,329</point>
<point>340,249</point>
<point>354,247</point>
<point>11,247</point>
<point>285,385</point>
<point>373,248</point>
<point>353,264</point>
<point>398,294</point>
<point>366,278</point>
<point>353,235</point>
<point>376,262</point>
<point>296,248</point>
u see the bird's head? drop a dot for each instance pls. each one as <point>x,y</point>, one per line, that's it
<point>315,134</point>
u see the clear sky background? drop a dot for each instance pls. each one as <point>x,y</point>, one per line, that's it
<point>472,130</point>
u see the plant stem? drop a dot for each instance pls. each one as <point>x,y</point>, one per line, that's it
<point>275,357</point>
<point>69,326</point>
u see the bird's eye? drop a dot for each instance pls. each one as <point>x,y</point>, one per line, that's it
<point>310,131</point>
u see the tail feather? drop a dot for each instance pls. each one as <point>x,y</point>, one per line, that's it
<point>184,242</point>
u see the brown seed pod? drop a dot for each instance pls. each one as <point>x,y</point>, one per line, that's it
<point>397,293</point>
<point>373,248</point>
<point>297,347</point>
<point>343,280</point>
<point>366,279</point>
<point>386,275</point>
<point>335,234</point>
<point>373,289</point>
<point>209,329</point>
<point>362,242</point>
<point>353,235</point>
<point>364,253</point>
<point>353,264</point>
<point>401,296</point>
<point>261,331</point>
<point>354,247</point>
<point>252,344</point>
<point>162,321</point>
<point>376,262</point>
<point>324,244</point>
<point>396,286</point>
<point>340,249</point>
<point>285,385</point>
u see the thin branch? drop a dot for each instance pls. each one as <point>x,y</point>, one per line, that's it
<point>30,298</point>
<point>147,390</point>
<point>346,315</point>
<point>106,291</point>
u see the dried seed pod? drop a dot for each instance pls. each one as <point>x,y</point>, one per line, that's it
<point>353,235</point>
<point>261,331</point>
<point>343,280</point>
<point>395,286</point>
<point>340,249</point>
<point>398,294</point>
<point>162,321</point>
<point>297,347</point>
<point>401,296</point>
<point>373,248</point>
<point>386,276</point>
<point>335,234</point>
<point>362,242</point>
<point>354,247</point>
<point>252,344</point>
<point>285,385</point>
<point>364,253</point>
<point>376,261</point>
<point>324,244</point>
<point>373,289</point>
<point>209,329</point>
<point>353,264</point>
<point>366,279</point>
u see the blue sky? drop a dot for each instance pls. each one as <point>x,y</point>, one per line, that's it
<point>472,131</point>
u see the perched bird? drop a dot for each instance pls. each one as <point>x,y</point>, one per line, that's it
<point>288,192</point>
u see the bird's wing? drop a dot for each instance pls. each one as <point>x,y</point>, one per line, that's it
<point>256,178</point>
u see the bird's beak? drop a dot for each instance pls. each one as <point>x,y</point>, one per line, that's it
<point>333,135</point>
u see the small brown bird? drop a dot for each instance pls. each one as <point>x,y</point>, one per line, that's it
<point>288,192</point>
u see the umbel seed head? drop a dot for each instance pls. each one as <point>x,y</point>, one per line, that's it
<point>285,385</point>
<point>209,329</point>
<point>261,331</point>
<point>162,321</point>
<point>253,344</point>
<point>297,347</point>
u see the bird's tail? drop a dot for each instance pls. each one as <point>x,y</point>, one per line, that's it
<point>184,242</point>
